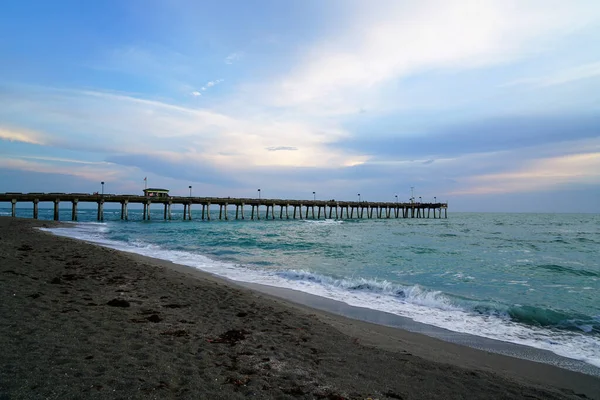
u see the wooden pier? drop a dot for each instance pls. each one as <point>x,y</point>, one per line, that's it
<point>274,208</point>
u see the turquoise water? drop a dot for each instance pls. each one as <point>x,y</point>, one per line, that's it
<point>530,279</point>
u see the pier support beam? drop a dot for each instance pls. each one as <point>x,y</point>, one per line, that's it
<point>208,211</point>
<point>287,215</point>
<point>124,211</point>
<point>252,213</point>
<point>226,216</point>
<point>56,202</point>
<point>14,208</point>
<point>36,202</point>
<point>203,207</point>
<point>300,211</point>
<point>169,213</point>
<point>242,210</point>
<point>74,210</point>
<point>237,211</point>
<point>100,215</point>
<point>189,211</point>
<point>220,211</point>
<point>281,211</point>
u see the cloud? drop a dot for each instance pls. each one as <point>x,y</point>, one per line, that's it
<point>398,39</point>
<point>94,172</point>
<point>506,132</point>
<point>233,57</point>
<point>61,160</point>
<point>208,85</point>
<point>213,83</point>
<point>21,135</point>
<point>119,124</point>
<point>196,94</point>
<point>538,175</point>
<point>573,74</point>
<point>282,148</point>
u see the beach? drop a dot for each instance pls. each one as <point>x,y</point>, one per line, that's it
<point>82,321</point>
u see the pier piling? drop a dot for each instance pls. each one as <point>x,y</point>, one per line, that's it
<point>35,208</point>
<point>56,203</point>
<point>74,210</point>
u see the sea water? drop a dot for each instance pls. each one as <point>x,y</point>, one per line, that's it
<point>529,279</point>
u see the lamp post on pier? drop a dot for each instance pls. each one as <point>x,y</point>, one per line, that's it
<point>412,194</point>
<point>102,183</point>
<point>420,200</point>
<point>258,194</point>
<point>314,196</point>
<point>434,199</point>
<point>359,197</point>
<point>190,190</point>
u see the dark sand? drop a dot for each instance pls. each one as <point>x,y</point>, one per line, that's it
<point>65,333</point>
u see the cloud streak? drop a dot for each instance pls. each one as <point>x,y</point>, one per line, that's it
<point>21,135</point>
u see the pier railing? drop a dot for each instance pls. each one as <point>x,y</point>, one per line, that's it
<point>279,208</point>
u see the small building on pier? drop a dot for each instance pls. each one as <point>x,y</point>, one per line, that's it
<point>154,192</point>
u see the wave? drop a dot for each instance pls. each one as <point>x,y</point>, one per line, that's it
<point>560,269</point>
<point>416,294</point>
<point>549,318</point>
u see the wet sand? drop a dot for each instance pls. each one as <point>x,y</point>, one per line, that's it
<point>81,321</point>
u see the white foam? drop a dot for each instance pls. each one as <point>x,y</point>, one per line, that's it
<point>322,221</point>
<point>414,302</point>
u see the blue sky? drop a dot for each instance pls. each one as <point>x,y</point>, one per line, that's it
<point>490,105</point>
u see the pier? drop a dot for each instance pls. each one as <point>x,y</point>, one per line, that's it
<point>273,208</point>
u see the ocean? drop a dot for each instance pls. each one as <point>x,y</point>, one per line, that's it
<point>528,279</point>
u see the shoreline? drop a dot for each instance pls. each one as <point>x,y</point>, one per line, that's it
<point>288,350</point>
<point>365,314</point>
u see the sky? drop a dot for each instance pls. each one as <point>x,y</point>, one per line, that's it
<point>488,105</point>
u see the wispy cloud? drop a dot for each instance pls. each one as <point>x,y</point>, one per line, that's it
<point>573,74</point>
<point>62,160</point>
<point>95,172</point>
<point>233,57</point>
<point>21,135</point>
<point>208,85</point>
<point>282,148</point>
<point>196,93</point>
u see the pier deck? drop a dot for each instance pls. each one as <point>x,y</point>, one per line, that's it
<point>278,208</point>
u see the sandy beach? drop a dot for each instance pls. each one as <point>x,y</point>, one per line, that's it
<point>82,321</point>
